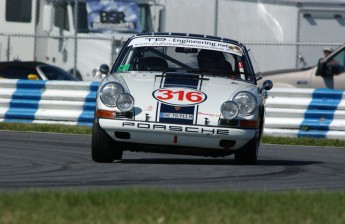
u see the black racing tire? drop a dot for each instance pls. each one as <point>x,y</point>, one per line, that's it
<point>248,155</point>
<point>103,148</point>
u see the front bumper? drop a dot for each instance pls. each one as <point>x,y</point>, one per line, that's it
<point>176,134</point>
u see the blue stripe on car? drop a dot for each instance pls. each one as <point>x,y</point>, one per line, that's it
<point>320,113</point>
<point>172,80</point>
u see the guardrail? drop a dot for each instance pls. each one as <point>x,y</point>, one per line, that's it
<point>316,113</point>
<point>38,101</point>
<point>290,112</point>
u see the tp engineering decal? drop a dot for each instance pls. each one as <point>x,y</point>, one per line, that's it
<point>178,98</point>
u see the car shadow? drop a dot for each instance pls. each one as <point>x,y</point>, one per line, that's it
<point>230,161</point>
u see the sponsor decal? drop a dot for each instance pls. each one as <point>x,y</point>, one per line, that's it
<point>208,114</point>
<point>187,43</point>
<point>240,66</point>
<point>123,68</point>
<point>236,49</point>
<point>176,128</point>
<point>149,108</point>
<point>176,96</point>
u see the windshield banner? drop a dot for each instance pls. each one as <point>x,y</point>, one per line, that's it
<point>110,16</point>
<point>186,42</point>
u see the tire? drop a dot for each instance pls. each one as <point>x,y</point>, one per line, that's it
<point>103,148</point>
<point>77,74</point>
<point>248,155</point>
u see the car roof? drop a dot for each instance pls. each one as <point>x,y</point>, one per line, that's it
<point>30,64</point>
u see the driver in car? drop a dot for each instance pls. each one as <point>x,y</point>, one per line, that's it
<point>213,61</point>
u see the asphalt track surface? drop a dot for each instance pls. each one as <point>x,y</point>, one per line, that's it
<point>59,161</point>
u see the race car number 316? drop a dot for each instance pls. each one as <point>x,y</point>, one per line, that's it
<point>179,96</point>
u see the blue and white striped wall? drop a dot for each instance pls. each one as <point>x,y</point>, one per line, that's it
<point>38,101</point>
<point>316,113</point>
<point>290,112</point>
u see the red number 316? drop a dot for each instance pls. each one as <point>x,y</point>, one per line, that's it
<point>180,96</point>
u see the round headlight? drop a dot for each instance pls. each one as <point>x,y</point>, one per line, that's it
<point>125,102</point>
<point>229,110</point>
<point>110,92</point>
<point>246,103</point>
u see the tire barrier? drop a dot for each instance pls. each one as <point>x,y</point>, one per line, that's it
<point>38,101</point>
<point>315,113</point>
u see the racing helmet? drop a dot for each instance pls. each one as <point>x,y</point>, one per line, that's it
<point>205,56</point>
<point>213,61</point>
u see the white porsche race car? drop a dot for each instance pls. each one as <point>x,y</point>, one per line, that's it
<point>182,94</point>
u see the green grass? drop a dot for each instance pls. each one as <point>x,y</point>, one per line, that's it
<point>303,141</point>
<point>59,128</point>
<point>87,130</point>
<point>154,206</point>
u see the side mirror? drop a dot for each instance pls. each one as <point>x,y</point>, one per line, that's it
<point>335,69</point>
<point>327,68</point>
<point>47,18</point>
<point>267,85</point>
<point>321,68</point>
<point>104,69</point>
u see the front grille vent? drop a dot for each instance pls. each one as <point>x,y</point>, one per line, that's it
<point>125,115</point>
<point>228,123</point>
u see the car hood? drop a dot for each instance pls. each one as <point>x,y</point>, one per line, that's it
<point>187,97</point>
<point>289,78</point>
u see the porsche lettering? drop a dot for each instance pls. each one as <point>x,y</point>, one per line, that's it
<point>176,128</point>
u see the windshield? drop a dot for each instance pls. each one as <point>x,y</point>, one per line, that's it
<point>200,56</point>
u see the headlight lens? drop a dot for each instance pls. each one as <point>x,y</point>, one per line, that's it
<point>110,92</point>
<point>229,110</point>
<point>125,102</point>
<point>246,103</point>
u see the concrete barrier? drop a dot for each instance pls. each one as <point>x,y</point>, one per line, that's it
<point>38,101</point>
<point>316,113</point>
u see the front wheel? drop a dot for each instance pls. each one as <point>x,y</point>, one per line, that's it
<point>248,155</point>
<point>103,148</point>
